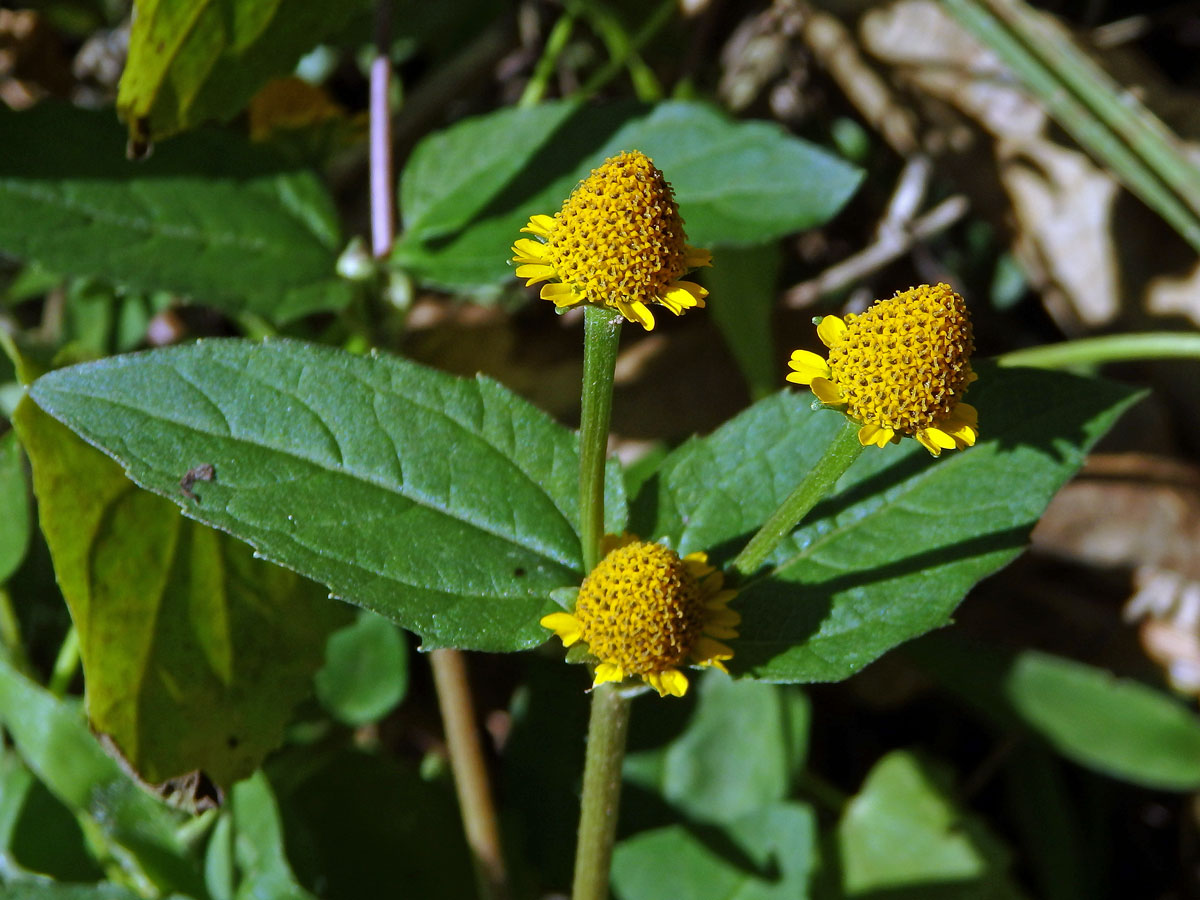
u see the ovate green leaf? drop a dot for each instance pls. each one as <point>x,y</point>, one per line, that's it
<point>209,216</point>
<point>194,652</point>
<point>1119,727</point>
<point>891,554</point>
<point>366,670</point>
<point>902,837</point>
<point>767,855</point>
<point>711,772</point>
<point>466,192</point>
<point>194,60</point>
<point>449,506</point>
<point>258,844</point>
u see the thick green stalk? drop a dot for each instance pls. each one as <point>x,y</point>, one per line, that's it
<point>601,334</point>
<point>601,792</point>
<point>841,453</point>
<point>1111,348</point>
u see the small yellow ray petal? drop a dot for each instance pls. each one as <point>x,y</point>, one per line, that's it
<point>867,434</point>
<point>722,617</point>
<point>831,330</point>
<point>535,273</point>
<point>696,258</point>
<point>826,392</point>
<point>964,437</point>
<point>928,444</point>
<point>939,437</point>
<point>608,672</point>
<point>966,413</point>
<point>687,294</point>
<point>671,681</point>
<point>724,632</point>
<point>719,601</point>
<point>807,366</point>
<point>533,249</point>
<point>559,294</point>
<point>564,625</point>
<point>706,651</point>
<point>539,224</point>
<point>637,312</point>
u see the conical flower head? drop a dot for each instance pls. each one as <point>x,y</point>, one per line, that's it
<point>618,241</point>
<point>900,368</point>
<point>644,610</point>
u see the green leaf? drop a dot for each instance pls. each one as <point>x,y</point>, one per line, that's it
<point>209,216</point>
<point>194,653</point>
<point>893,552</point>
<point>902,838</point>
<point>53,739</point>
<point>366,670</point>
<point>37,832</point>
<point>710,772</point>
<point>1118,727</point>
<point>767,855</point>
<point>742,283</point>
<point>14,506</point>
<point>449,506</point>
<point>467,191</point>
<point>195,60</point>
<point>258,845</point>
<point>50,891</point>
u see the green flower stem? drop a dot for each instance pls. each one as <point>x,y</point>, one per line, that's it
<point>839,456</point>
<point>556,42</point>
<point>601,334</point>
<point>11,643</point>
<point>1112,348</point>
<point>65,664</point>
<point>470,772</point>
<point>601,801</point>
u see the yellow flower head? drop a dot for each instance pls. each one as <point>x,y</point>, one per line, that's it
<point>643,611</point>
<point>900,368</point>
<point>617,241</point>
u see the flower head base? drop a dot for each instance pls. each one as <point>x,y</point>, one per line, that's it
<point>618,241</point>
<point>900,368</point>
<point>643,611</point>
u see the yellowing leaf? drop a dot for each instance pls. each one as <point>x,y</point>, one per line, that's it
<point>195,60</point>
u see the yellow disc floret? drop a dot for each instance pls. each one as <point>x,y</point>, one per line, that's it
<point>900,368</point>
<point>644,610</point>
<point>618,241</point>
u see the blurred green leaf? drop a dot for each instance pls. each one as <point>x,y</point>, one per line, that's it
<point>38,835</point>
<point>209,216</point>
<point>767,855</point>
<point>466,192</point>
<point>51,891</point>
<point>53,739</point>
<point>258,844</point>
<point>14,506</point>
<point>366,670</point>
<point>893,552</point>
<point>449,506</point>
<point>710,772</point>
<point>742,286</point>
<point>362,826</point>
<point>195,60</point>
<point>1122,728</point>
<point>194,652</point>
<point>902,838</point>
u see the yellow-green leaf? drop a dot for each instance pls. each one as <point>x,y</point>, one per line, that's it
<point>195,60</point>
<point>194,652</point>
